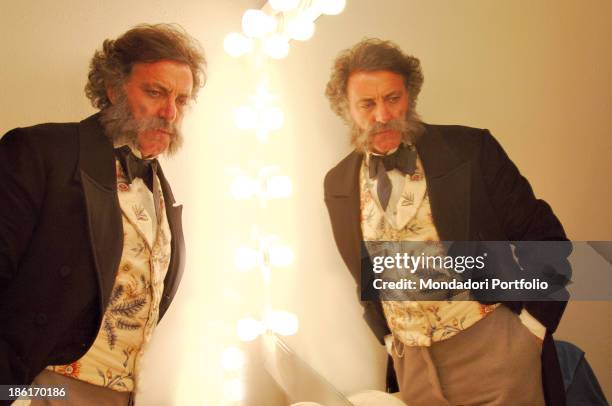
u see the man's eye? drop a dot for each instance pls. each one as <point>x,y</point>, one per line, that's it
<point>394,99</point>
<point>182,101</point>
<point>154,93</point>
<point>366,106</point>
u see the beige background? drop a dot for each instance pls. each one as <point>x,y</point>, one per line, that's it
<point>537,74</point>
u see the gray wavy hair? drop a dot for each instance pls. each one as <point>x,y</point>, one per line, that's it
<point>371,54</point>
<point>145,43</point>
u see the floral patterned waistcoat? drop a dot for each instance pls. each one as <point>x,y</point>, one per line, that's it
<point>414,323</point>
<point>133,308</point>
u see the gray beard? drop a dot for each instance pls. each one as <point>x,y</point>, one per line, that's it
<point>411,128</point>
<point>122,128</point>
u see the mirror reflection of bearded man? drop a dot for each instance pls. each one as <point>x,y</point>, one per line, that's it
<point>407,180</point>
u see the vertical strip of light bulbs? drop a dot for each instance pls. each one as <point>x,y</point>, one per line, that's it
<point>266,33</point>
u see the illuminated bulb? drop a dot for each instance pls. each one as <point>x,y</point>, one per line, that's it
<point>234,390</point>
<point>281,255</point>
<point>236,44</point>
<point>243,187</point>
<point>276,46</point>
<point>283,5</point>
<point>246,258</point>
<point>267,170</point>
<point>301,28</point>
<point>261,134</point>
<point>231,295</point>
<point>262,97</point>
<point>232,359</point>
<point>278,187</point>
<point>248,329</point>
<point>332,7</point>
<point>256,23</point>
<point>245,117</point>
<point>281,322</point>
<point>272,118</point>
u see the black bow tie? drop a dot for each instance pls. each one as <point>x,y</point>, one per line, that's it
<point>134,167</point>
<point>403,159</point>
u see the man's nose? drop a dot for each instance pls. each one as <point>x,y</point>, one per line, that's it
<point>168,110</point>
<point>382,113</point>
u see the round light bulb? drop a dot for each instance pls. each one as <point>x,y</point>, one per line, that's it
<point>276,46</point>
<point>283,5</point>
<point>256,23</point>
<point>242,187</point>
<point>281,322</point>
<point>278,187</point>
<point>236,44</point>
<point>281,255</point>
<point>246,258</point>
<point>232,359</point>
<point>249,329</point>
<point>245,117</point>
<point>301,28</point>
<point>272,118</point>
<point>332,7</point>
<point>261,134</point>
<point>231,295</point>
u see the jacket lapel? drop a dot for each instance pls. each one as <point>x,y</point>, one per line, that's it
<point>177,263</point>
<point>448,184</point>
<point>342,199</point>
<point>343,203</point>
<point>96,173</point>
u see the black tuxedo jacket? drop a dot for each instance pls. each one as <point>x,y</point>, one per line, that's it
<point>61,239</point>
<point>476,194</point>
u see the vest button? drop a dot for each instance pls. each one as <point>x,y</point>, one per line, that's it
<point>41,319</point>
<point>64,271</point>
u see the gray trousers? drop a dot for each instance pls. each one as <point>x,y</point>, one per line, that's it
<point>495,362</point>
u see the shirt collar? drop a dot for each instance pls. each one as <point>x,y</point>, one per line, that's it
<point>135,151</point>
<point>370,153</point>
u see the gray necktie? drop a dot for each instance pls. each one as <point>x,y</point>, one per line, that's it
<point>403,159</point>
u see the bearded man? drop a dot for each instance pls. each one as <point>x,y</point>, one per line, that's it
<point>408,181</point>
<point>91,243</point>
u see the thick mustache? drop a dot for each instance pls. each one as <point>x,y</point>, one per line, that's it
<point>158,124</point>
<point>393,125</point>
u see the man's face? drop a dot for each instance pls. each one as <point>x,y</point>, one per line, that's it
<point>157,94</point>
<point>378,103</point>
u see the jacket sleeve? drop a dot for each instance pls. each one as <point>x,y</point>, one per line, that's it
<point>22,179</point>
<point>526,220</point>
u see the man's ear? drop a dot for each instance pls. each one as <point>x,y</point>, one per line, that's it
<point>111,94</point>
